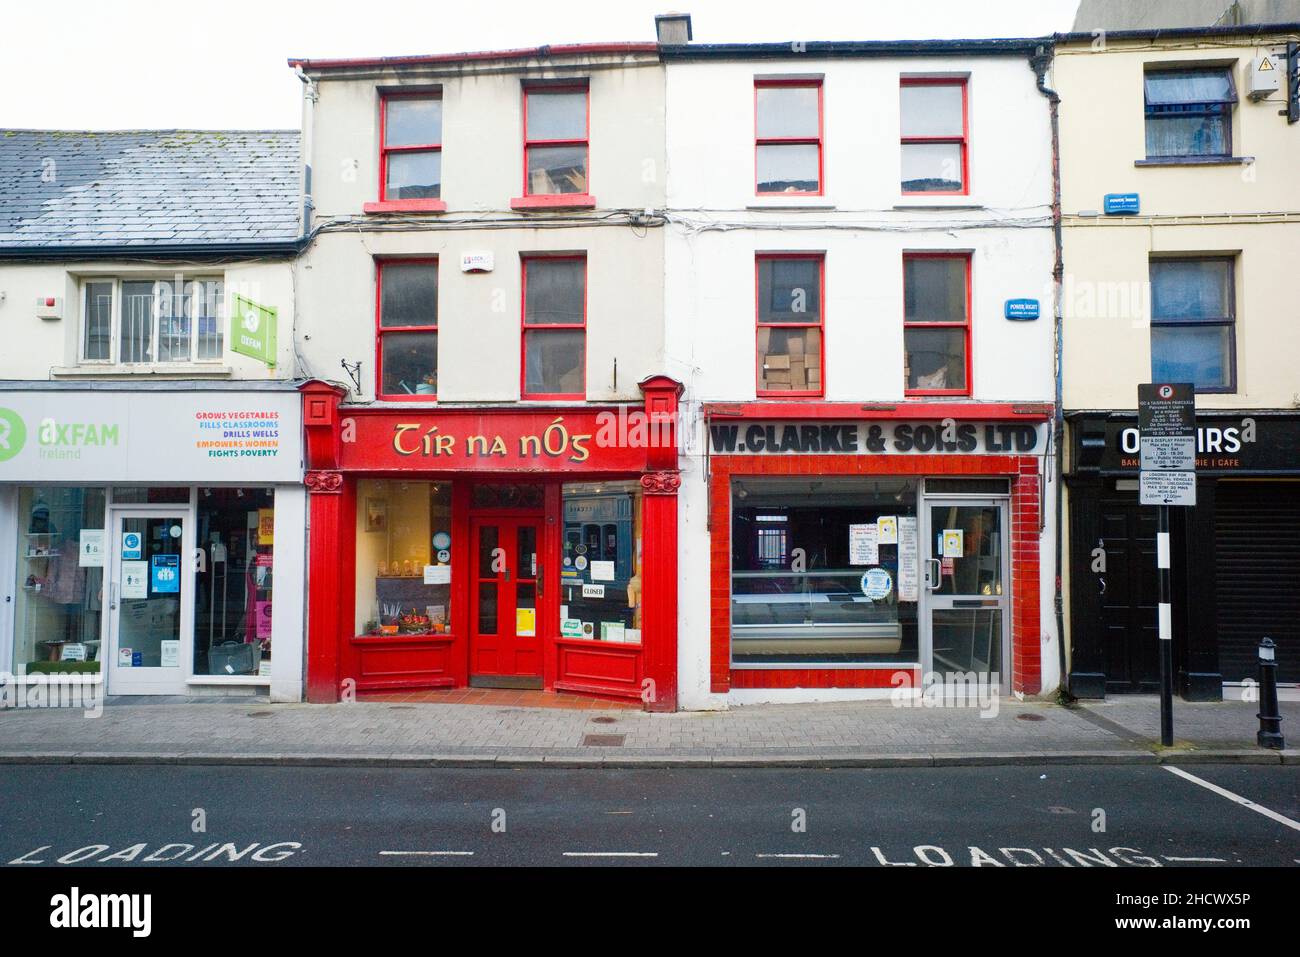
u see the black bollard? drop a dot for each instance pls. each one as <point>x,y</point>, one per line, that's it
<point>1270,718</point>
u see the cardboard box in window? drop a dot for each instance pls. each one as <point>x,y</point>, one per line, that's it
<point>813,344</point>
<point>764,339</point>
<point>776,362</point>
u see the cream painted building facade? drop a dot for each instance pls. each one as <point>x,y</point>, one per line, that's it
<point>1187,276</point>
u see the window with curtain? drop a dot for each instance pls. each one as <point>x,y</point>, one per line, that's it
<point>1189,112</point>
<point>1193,319</point>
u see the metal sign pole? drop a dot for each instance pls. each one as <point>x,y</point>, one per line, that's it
<point>1166,628</point>
<point>1167,449</point>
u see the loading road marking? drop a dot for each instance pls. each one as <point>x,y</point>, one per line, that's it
<point>801,857</point>
<point>426,853</point>
<point>1244,802</point>
<point>611,854</point>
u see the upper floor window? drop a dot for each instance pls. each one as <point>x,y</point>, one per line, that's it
<point>936,324</point>
<point>140,321</point>
<point>788,136</point>
<point>411,147</point>
<point>1189,112</point>
<point>935,157</point>
<point>407,329</point>
<point>555,327</point>
<point>790,324</point>
<point>1193,323</point>
<point>556,135</point>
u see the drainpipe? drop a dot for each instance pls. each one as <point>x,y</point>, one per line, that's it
<point>309,97</point>
<point>1040,62</point>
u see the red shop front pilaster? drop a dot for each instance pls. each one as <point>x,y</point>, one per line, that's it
<point>346,444</point>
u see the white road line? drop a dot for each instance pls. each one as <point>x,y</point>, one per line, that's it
<point>803,857</point>
<point>611,854</point>
<point>426,853</point>
<point>1244,802</point>
<point>1195,860</point>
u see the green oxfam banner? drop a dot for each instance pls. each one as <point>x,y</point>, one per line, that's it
<point>252,330</point>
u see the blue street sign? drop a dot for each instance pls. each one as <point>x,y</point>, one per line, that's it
<point>1121,204</point>
<point>1022,309</point>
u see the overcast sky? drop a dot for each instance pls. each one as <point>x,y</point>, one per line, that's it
<point>95,64</point>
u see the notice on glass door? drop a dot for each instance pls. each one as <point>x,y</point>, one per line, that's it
<point>908,559</point>
<point>135,580</point>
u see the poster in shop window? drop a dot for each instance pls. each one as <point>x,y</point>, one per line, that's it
<point>887,530</point>
<point>863,544</point>
<point>908,559</point>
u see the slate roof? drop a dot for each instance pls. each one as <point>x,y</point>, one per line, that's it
<point>148,188</point>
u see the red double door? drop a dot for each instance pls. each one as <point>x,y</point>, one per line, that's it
<point>505,593</point>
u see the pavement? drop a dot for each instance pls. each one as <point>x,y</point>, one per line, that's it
<point>1120,730</point>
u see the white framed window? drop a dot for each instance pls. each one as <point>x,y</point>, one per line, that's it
<point>147,320</point>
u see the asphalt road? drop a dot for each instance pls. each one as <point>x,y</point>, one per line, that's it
<point>275,817</point>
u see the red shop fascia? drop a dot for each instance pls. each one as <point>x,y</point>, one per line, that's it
<point>346,444</point>
<point>1025,477</point>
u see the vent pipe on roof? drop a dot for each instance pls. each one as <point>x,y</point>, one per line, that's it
<point>673,28</point>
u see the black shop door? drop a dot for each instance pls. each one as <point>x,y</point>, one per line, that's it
<point>1128,596</point>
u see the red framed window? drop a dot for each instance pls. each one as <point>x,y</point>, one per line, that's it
<point>410,147</point>
<point>936,324</point>
<point>788,137</point>
<point>406,329</point>
<point>554,327</point>
<point>790,289</point>
<point>934,129</point>
<point>556,140</point>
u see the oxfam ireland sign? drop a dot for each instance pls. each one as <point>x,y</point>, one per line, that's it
<point>13,434</point>
<point>252,330</point>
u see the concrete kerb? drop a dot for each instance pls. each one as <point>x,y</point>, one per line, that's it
<point>633,761</point>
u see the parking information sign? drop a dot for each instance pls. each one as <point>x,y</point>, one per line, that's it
<point>1167,437</point>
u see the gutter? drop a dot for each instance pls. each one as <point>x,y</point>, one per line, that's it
<point>190,251</point>
<point>1175,33</point>
<point>852,48</point>
<point>1040,62</point>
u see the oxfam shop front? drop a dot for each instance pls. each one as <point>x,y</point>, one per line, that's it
<point>146,532</point>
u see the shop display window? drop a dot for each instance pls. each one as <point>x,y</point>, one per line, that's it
<point>600,562</point>
<point>824,571</point>
<point>58,602</point>
<point>233,585</point>
<point>403,582</point>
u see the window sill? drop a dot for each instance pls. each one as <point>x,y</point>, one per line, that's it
<point>937,202</point>
<point>1195,161</point>
<point>556,201</point>
<point>793,201</point>
<point>172,369</point>
<point>405,206</point>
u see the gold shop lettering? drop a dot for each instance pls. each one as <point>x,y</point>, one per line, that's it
<point>555,441</point>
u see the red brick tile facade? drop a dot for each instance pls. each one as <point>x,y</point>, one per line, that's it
<point>1025,516</point>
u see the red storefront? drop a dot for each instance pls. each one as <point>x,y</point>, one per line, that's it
<point>522,547</point>
<point>871,546</point>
